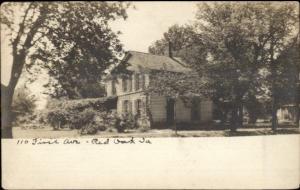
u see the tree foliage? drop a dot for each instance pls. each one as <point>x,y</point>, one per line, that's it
<point>24,102</point>
<point>180,38</point>
<point>235,48</point>
<point>173,84</point>
<point>72,40</point>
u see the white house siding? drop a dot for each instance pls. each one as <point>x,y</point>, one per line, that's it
<point>158,108</point>
<point>206,107</point>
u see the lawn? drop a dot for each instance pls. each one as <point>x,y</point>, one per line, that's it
<point>48,132</point>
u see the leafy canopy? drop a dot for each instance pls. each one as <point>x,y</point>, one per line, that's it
<point>71,40</point>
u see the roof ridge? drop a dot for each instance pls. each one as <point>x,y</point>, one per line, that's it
<point>149,53</point>
<point>138,51</point>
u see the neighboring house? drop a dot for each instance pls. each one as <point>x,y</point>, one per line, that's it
<point>132,98</point>
<point>287,113</point>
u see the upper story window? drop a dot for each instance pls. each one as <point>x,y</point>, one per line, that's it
<point>139,81</point>
<point>124,84</point>
<point>113,87</point>
<point>129,83</point>
<point>142,81</point>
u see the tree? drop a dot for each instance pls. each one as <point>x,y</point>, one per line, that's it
<point>287,79</point>
<point>222,49</point>
<point>69,39</point>
<point>77,89</point>
<point>229,33</point>
<point>254,108</point>
<point>281,25</point>
<point>234,48</point>
<point>179,36</point>
<point>242,39</point>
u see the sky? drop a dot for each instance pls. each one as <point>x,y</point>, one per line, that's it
<point>150,20</point>
<point>145,24</point>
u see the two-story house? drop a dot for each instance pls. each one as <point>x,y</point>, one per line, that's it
<point>132,98</point>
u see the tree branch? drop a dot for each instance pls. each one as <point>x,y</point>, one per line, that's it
<point>21,29</point>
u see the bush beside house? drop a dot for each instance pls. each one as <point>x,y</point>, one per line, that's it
<point>91,116</point>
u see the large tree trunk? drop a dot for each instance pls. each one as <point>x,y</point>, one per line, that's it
<point>223,118</point>
<point>273,89</point>
<point>19,53</point>
<point>252,109</point>
<point>240,116</point>
<point>234,119</point>
<point>7,94</point>
<point>274,116</point>
<point>252,118</point>
<point>297,118</point>
<point>6,112</point>
<point>237,115</point>
<point>274,108</point>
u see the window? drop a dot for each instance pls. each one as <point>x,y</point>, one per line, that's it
<point>137,81</point>
<point>113,87</point>
<point>129,82</point>
<point>124,84</point>
<point>138,106</point>
<point>130,107</point>
<point>127,106</point>
<point>142,81</point>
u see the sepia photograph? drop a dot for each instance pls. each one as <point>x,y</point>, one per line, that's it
<point>149,73</point>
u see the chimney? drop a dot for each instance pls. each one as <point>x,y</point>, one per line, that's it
<point>170,49</point>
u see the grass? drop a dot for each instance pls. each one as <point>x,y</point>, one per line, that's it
<point>48,132</point>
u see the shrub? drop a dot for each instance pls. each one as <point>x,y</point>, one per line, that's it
<point>120,126</point>
<point>143,123</point>
<point>87,117</point>
<point>99,104</point>
<point>126,121</point>
<point>89,129</point>
<point>80,119</point>
<point>100,122</point>
<point>77,114</point>
<point>57,118</point>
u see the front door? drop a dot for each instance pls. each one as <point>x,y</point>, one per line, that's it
<point>170,110</point>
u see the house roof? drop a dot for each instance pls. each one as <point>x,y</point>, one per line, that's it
<point>137,60</point>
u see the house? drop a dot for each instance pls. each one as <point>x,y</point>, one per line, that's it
<point>130,91</point>
<point>287,113</point>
